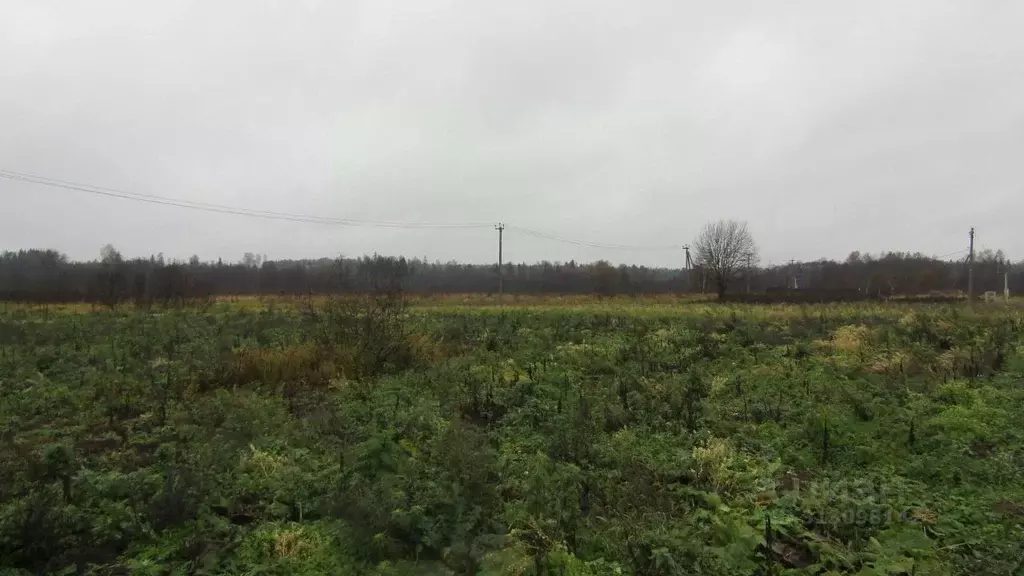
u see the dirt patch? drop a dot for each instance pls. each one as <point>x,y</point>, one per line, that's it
<point>93,446</point>
<point>1009,509</point>
<point>792,553</point>
<point>981,449</point>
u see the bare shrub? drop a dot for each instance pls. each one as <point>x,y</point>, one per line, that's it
<point>363,335</point>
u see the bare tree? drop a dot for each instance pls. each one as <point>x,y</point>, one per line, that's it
<point>110,255</point>
<point>725,248</point>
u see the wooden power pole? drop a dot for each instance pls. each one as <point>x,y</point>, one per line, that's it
<point>689,270</point>
<point>501,272</point>
<point>1006,283</point>
<point>970,269</point>
<point>749,258</point>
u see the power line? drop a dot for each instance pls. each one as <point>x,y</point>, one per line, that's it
<point>291,217</point>
<point>224,209</point>
<point>951,254</point>
<point>310,219</point>
<point>545,235</point>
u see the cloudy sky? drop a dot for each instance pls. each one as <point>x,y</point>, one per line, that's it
<point>829,126</point>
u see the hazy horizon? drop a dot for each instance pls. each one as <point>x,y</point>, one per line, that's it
<point>173,258</point>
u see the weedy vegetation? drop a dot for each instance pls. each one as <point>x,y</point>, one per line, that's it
<point>370,436</point>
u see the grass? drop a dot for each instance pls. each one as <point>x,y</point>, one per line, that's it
<point>568,435</point>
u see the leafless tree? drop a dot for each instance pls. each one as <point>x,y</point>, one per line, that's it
<point>725,248</point>
<point>110,255</point>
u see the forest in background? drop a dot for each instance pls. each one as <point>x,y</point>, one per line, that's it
<point>50,276</point>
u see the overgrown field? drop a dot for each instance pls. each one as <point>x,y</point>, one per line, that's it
<point>364,437</point>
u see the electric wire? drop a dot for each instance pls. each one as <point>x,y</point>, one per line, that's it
<point>292,217</point>
<point>951,254</point>
<point>311,219</point>
<point>225,209</point>
<point>584,243</point>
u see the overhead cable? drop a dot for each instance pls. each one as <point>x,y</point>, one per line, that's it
<point>224,209</point>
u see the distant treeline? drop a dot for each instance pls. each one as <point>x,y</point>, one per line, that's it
<point>49,276</point>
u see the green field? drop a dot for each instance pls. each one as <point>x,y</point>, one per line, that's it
<point>578,437</point>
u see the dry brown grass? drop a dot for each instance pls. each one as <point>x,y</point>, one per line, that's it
<point>300,363</point>
<point>850,338</point>
<point>291,543</point>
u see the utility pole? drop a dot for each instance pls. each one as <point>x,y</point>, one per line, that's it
<point>501,272</point>
<point>1006,283</point>
<point>748,272</point>
<point>970,269</point>
<point>689,270</point>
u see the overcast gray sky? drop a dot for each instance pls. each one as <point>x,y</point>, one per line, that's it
<point>830,126</point>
